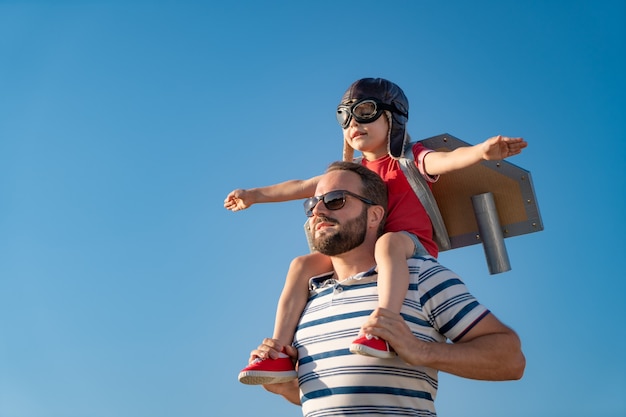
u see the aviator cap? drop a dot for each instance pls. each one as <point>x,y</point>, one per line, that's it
<point>390,94</point>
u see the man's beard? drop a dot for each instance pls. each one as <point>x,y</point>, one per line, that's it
<point>347,237</point>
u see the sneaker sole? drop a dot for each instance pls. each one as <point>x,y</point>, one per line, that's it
<point>368,351</point>
<point>263,378</point>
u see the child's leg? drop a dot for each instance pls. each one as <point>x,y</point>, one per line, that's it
<point>296,293</point>
<point>392,251</point>
<point>290,306</point>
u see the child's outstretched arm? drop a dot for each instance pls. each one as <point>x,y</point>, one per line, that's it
<point>241,199</point>
<point>494,148</point>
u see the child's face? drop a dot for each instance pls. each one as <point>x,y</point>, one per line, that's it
<point>370,138</point>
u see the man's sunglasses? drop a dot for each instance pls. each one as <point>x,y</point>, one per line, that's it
<point>367,110</point>
<point>333,200</point>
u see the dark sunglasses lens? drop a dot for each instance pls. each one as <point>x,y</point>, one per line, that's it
<point>309,204</point>
<point>334,200</point>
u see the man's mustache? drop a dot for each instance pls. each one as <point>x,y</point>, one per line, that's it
<point>324,219</point>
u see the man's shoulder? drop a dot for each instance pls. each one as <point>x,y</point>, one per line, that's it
<point>425,261</point>
<point>423,267</point>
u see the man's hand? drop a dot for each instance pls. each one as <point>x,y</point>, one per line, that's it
<point>269,349</point>
<point>392,327</point>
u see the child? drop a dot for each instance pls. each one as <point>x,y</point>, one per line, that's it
<point>381,140</point>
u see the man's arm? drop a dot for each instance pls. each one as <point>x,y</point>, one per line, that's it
<point>489,351</point>
<point>289,390</point>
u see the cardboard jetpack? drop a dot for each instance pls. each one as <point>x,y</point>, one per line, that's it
<point>484,203</point>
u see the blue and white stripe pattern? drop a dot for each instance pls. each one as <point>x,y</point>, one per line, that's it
<point>335,382</point>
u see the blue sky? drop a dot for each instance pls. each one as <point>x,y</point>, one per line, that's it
<point>127,290</point>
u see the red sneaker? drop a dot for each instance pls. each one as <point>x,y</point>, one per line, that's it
<point>268,371</point>
<point>372,346</point>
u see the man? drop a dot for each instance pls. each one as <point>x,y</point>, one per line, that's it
<point>348,213</point>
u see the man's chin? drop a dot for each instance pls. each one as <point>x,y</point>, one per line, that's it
<point>322,239</point>
<point>323,232</point>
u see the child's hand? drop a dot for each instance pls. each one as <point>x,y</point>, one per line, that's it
<point>500,147</point>
<point>238,200</point>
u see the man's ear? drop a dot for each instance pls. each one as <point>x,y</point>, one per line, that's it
<point>376,215</point>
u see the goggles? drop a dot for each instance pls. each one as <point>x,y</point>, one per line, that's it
<point>333,200</point>
<point>367,110</point>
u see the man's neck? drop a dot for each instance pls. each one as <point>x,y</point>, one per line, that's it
<point>351,263</point>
